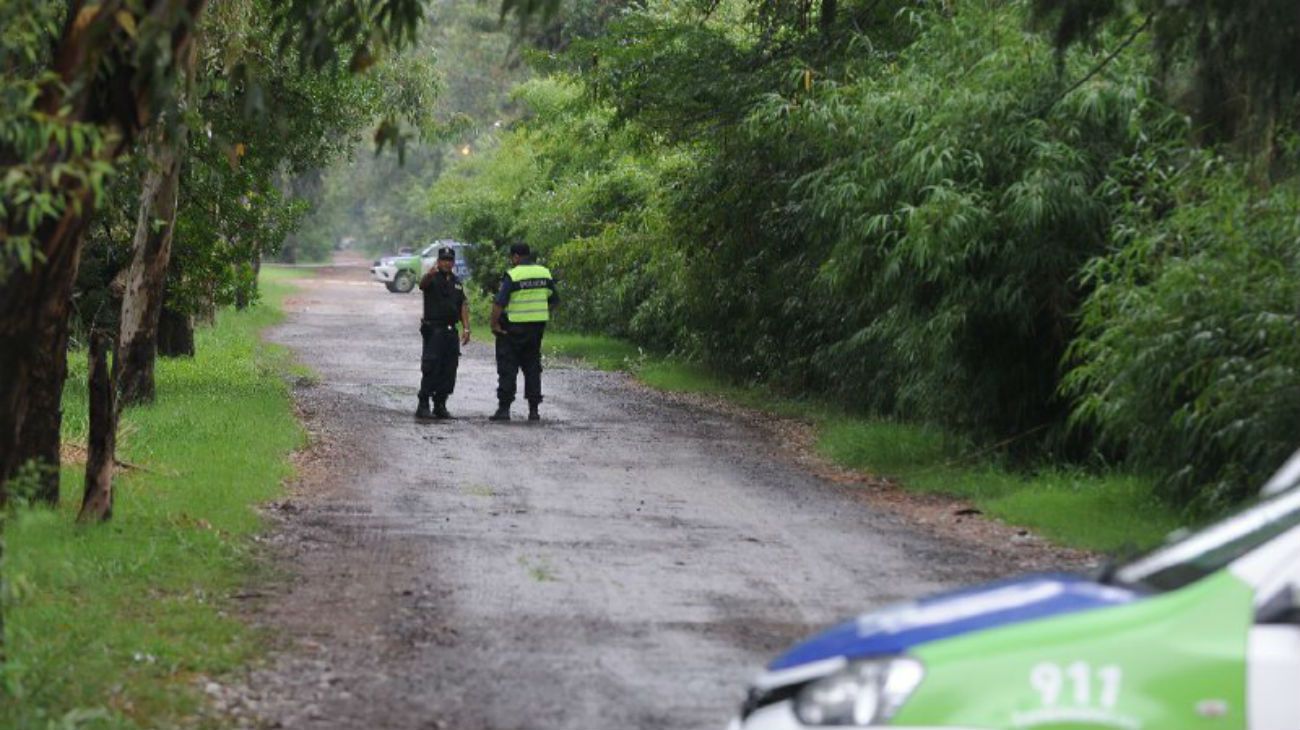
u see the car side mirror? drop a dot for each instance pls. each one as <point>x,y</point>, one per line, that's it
<point>1281,608</point>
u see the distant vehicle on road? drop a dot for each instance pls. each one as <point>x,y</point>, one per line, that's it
<point>1203,633</point>
<point>401,273</point>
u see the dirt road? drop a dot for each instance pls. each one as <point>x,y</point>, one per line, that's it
<point>626,563</point>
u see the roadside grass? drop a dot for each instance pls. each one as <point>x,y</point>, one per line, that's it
<point>675,376</point>
<point>1108,512</point>
<point>273,274</point>
<point>111,626</point>
<point>480,311</point>
<point>598,351</point>
<point>1105,512</point>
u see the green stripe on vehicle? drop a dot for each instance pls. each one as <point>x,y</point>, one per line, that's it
<point>1175,661</point>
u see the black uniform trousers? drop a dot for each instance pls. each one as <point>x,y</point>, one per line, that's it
<point>438,360</point>
<point>520,348</point>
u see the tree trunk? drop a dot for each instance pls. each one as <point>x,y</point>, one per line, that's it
<point>1260,140</point>
<point>41,435</point>
<point>142,296</point>
<point>4,655</point>
<point>244,298</point>
<point>828,12</point>
<point>35,302</point>
<point>97,502</point>
<point>175,334</point>
<point>34,309</point>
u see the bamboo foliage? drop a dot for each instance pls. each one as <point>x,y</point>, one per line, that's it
<point>937,216</point>
<point>1190,350</point>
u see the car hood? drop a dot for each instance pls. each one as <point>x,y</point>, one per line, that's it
<point>897,629</point>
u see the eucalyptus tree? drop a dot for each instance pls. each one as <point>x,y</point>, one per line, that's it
<point>163,148</point>
<point>382,202</point>
<point>379,197</point>
<point>231,192</point>
<point>70,119</point>
<point>72,113</point>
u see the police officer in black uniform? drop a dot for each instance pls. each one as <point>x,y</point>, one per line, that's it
<point>444,304</point>
<point>519,316</point>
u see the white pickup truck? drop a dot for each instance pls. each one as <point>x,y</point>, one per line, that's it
<point>400,274</point>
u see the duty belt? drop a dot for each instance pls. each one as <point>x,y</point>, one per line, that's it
<point>431,323</point>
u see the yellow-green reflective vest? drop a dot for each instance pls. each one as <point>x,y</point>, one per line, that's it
<point>530,294</point>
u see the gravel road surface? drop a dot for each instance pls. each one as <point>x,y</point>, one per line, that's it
<point>628,562</point>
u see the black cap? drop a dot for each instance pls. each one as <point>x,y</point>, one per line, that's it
<point>520,249</point>
<point>446,252</point>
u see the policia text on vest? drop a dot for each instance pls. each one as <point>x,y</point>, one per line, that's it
<point>519,316</point>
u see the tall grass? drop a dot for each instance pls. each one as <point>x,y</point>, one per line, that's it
<point>110,625</point>
<point>1108,511</point>
<point>599,351</point>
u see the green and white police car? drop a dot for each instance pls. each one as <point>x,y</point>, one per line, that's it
<point>400,274</point>
<point>1201,634</point>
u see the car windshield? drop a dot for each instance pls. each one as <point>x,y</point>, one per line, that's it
<point>1214,548</point>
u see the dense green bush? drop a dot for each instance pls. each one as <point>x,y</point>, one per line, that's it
<point>915,240</point>
<point>923,217</point>
<point>1190,354</point>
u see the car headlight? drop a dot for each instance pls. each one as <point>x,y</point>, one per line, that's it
<point>862,693</point>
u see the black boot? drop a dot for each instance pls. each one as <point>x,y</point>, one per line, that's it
<point>440,409</point>
<point>422,412</point>
<point>502,414</point>
<point>533,415</point>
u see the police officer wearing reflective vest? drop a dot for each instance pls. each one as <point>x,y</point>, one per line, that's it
<point>519,316</point>
<point>444,305</point>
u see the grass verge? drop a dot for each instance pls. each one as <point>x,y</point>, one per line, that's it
<point>1110,512</point>
<point>109,626</point>
<point>602,353</point>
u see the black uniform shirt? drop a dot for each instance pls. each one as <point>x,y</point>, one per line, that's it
<point>443,299</point>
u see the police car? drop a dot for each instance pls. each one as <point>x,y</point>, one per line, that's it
<point>399,274</point>
<point>1203,633</point>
